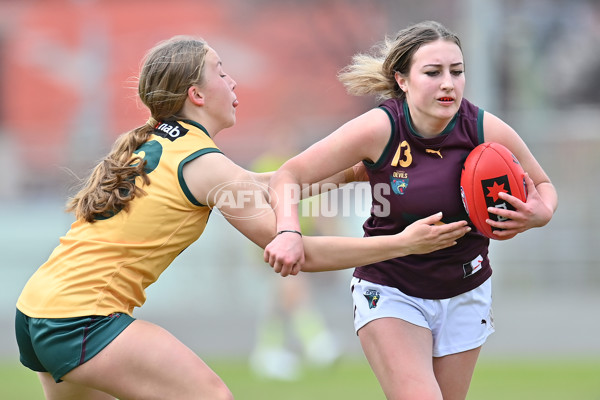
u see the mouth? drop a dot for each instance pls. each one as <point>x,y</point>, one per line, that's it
<point>446,99</point>
<point>235,103</point>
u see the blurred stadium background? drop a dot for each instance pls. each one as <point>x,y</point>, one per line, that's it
<point>67,89</point>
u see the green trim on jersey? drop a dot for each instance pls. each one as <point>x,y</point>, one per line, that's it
<point>388,146</point>
<point>184,186</point>
<point>480,135</point>
<point>197,125</point>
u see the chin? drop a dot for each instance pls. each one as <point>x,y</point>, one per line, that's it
<point>450,111</point>
<point>230,123</point>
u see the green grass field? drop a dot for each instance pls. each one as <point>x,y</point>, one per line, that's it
<point>352,379</point>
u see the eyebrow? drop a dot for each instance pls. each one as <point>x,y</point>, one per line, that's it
<point>439,65</point>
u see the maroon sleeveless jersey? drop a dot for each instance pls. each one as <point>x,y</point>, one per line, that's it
<point>416,177</point>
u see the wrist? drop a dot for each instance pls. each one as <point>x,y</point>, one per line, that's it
<point>401,248</point>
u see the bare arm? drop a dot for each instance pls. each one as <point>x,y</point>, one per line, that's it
<point>253,217</point>
<point>353,174</point>
<point>362,138</point>
<point>335,253</point>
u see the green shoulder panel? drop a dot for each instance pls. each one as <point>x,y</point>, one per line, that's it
<point>186,160</point>
<point>480,136</point>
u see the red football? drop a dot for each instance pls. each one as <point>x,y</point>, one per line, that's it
<point>490,169</point>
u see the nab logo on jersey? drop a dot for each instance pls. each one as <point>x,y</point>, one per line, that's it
<point>170,130</point>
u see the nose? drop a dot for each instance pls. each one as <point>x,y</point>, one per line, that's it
<point>447,83</point>
<point>233,84</point>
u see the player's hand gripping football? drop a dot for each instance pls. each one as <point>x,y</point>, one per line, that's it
<point>526,215</point>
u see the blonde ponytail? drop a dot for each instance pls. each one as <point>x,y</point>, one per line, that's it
<point>366,76</point>
<point>111,185</point>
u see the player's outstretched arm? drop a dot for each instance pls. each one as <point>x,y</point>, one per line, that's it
<point>245,206</point>
<point>330,253</point>
<point>421,237</point>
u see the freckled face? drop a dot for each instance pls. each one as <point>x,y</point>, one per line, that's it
<point>434,86</point>
<point>218,89</point>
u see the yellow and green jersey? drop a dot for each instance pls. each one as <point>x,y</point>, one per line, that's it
<point>104,267</point>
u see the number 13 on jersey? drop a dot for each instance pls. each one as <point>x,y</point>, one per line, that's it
<point>402,156</point>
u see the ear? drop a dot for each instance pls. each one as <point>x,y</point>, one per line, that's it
<point>401,80</point>
<point>195,95</point>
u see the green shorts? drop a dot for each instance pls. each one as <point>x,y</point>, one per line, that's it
<point>57,345</point>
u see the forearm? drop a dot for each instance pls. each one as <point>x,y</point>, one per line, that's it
<point>353,174</point>
<point>324,186</point>
<point>308,190</point>
<point>331,253</point>
<point>326,253</point>
<point>284,199</point>
<point>548,194</point>
<point>549,198</point>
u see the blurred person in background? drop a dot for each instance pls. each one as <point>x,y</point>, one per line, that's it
<point>290,306</point>
<point>421,319</point>
<point>142,205</point>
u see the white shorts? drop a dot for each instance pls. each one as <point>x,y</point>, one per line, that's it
<point>457,324</point>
